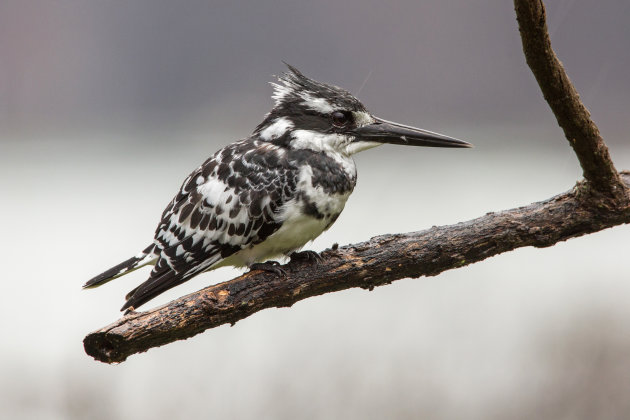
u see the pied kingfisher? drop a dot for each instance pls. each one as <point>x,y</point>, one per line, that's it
<point>269,194</point>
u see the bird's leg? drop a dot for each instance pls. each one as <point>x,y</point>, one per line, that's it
<point>269,266</point>
<point>308,255</point>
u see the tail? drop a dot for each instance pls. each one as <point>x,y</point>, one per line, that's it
<point>164,277</point>
<point>151,288</point>
<point>144,258</point>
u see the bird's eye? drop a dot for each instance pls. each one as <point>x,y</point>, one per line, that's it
<point>340,119</point>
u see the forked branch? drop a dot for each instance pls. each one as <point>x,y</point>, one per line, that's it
<point>598,202</point>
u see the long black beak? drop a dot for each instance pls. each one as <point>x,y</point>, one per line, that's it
<point>383,131</point>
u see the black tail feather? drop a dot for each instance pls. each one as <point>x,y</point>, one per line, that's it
<point>121,269</point>
<point>151,288</point>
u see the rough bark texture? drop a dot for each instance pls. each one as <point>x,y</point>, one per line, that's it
<point>572,115</point>
<point>597,203</point>
<point>376,262</point>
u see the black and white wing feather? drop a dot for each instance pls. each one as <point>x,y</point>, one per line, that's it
<point>231,202</point>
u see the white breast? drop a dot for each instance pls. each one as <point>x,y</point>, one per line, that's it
<point>298,227</point>
<point>296,231</point>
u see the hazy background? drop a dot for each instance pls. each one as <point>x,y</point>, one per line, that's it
<point>106,106</point>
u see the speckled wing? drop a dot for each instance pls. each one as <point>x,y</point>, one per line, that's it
<point>230,202</point>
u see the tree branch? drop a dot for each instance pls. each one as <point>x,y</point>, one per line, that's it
<point>599,202</point>
<point>572,115</point>
<point>379,261</point>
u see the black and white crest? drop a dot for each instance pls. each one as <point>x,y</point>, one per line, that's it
<point>313,115</point>
<point>294,91</point>
<point>269,194</point>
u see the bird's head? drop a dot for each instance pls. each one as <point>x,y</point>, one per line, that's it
<point>322,117</point>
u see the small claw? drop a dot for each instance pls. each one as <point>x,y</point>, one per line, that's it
<point>130,311</point>
<point>270,267</point>
<point>306,256</point>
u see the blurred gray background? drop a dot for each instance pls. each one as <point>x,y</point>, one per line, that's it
<point>106,106</point>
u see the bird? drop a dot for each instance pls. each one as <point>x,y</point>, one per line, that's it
<point>268,195</point>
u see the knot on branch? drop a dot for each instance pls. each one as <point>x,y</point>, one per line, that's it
<point>613,201</point>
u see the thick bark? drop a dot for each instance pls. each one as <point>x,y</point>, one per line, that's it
<point>597,203</point>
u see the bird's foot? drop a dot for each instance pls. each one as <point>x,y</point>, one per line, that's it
<point>269,266</point>
<point>310,256</point>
